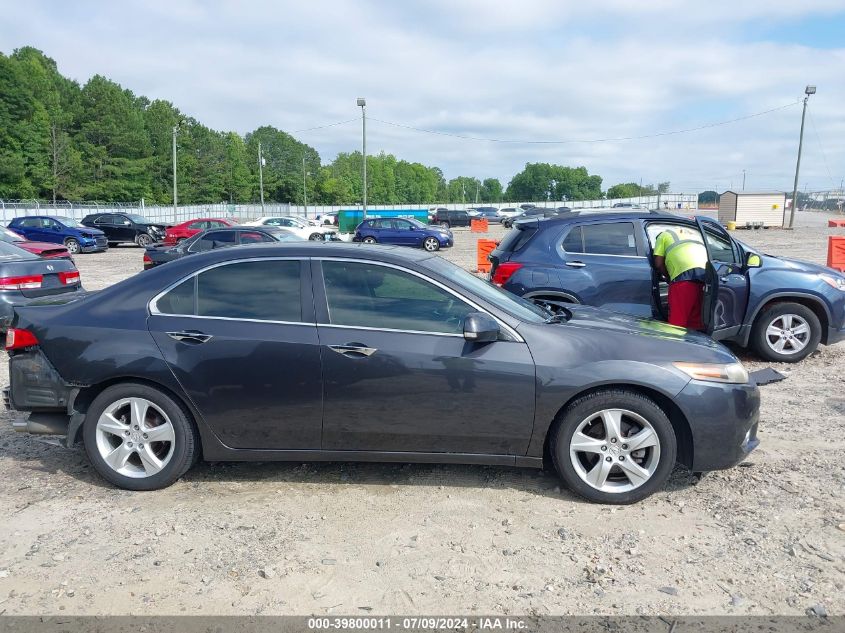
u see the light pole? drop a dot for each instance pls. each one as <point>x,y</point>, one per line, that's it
<point>175,203</point>
<point>261,176</point>
<point>743,180</point>
<point>362,103</point>
<point>809,90</point>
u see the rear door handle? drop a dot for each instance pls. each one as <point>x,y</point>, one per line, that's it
<point>353,350</point>
<point>576,264</point>
<point>190,336</point>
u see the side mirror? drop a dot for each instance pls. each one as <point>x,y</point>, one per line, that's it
<point>480,328</point>
<point>752,260</point>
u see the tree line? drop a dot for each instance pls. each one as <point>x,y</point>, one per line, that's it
<point>60,140</point>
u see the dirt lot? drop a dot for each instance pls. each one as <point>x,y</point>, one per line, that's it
<point>764,538</point>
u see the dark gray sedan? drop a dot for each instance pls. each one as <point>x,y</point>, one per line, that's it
<point>306,351</point>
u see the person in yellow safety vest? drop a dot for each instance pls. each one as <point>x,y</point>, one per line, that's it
<point>681,257</point>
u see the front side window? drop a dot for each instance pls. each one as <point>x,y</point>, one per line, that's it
<point>104,219</point>
<point>198,225</point>
<point>613,238</point>
<point>260,290</point>
<point>372,296</point>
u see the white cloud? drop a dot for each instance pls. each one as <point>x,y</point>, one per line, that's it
<point>541,70</point>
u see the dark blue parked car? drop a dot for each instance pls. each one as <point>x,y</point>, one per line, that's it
<point>403,232</point>
<point>76,237</point>
<point>782,308</point>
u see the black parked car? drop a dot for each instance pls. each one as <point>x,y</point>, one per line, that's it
<point>158,254</point>
<point>126,228</point>
<point>26,277</point>
<point>534,212</point>
<point>448,218</point>
<point>306,351</point>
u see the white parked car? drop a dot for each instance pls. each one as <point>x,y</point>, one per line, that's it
<point>509,212</point>
<point>299,226</point>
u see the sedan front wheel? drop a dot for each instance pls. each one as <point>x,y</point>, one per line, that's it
<point>614,446</point>
<point>138,438</point>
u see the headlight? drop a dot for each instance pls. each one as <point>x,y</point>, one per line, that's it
<point>836,282</point>
<point>733,373</point>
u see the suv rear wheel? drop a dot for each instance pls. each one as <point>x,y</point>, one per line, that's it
<point>786,332</point>
<point>614,446</point>
<point>445,224</point>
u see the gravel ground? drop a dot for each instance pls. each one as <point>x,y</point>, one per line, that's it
<point>764,538</point>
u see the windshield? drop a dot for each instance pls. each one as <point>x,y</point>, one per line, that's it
<point>517,306</point>
<point>69,222</point>
<point>137,219</point>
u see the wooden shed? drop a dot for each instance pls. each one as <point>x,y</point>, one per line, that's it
<point>753,207</point>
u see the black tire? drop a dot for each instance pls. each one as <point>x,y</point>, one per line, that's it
<point>316,237</point>
<point>445,225</point>
<point>73,246</point>
<point>760,341</point>
<point>113,244</point>
<point>431,244</point>
<point>370,240</point>
<point>143,240</point>
<point>570,419</point>
<point>186,450</point>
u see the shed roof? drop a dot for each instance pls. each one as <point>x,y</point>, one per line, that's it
<point>755,193</point>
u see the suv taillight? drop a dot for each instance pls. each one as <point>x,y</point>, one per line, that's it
<point>19,339</point>
<point>26,282</point>
<point>503,272</point>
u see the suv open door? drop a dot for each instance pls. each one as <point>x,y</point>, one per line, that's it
<point>726,282</point>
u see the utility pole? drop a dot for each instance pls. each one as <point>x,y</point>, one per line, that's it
<point>175,202</point>
<point>743,180</point>
<point>362,103</point>
<point>476,193</point>
<point>304,190</point>
<point>261,176</point>
<point>809,90</point>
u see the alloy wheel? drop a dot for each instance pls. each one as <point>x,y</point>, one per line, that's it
<point>144,240</point>
<point>431,244</point>
<point>72,247</point>
<point>615,450</point>
<point>788,334</point>
<point>135,437</point>
<point>369,240</point>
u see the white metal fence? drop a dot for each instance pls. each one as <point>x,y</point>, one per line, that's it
<point>158,213</point>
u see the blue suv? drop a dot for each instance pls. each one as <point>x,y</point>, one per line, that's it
<point>404,232</point>
<point>781,308</point>
<point>76,237</point>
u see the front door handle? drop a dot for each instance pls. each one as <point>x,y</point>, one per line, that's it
<point>353,350</point>
<point>190,336</point>
<point>576,264</point>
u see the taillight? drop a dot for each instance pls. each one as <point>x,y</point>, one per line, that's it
<point>504,272</point>
<point>25,282</point>
<point>18,339</point>
<point>147,259</point>
<point>69,277</point>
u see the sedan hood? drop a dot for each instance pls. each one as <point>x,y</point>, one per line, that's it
<point>598,319</point>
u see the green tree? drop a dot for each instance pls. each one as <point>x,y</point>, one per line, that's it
<point>542,181</point>
<point>491,190</point>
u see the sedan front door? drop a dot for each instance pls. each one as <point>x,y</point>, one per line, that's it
<point>399,376</point>
<point>241,340</point>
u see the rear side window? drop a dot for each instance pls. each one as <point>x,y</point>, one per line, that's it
<point>516,238</point>
<point>615,238</point>
<point>261,290</point>
<point>574,242</point>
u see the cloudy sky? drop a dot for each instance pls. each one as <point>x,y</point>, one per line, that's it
<point>515,70</point>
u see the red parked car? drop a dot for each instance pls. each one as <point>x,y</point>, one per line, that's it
<point>176,234</point>
<point>46,250</point>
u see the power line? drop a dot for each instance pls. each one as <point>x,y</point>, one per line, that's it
<point>595,140</point>
<point>821,147</point>
<point>321,127</point>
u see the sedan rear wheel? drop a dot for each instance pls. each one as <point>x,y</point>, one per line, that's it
<point>614,446</point>
<point>138,437</point>
<point>72,245</point>
<point>431,244</point>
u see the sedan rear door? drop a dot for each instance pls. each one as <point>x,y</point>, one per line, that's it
<point>240,338</point>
